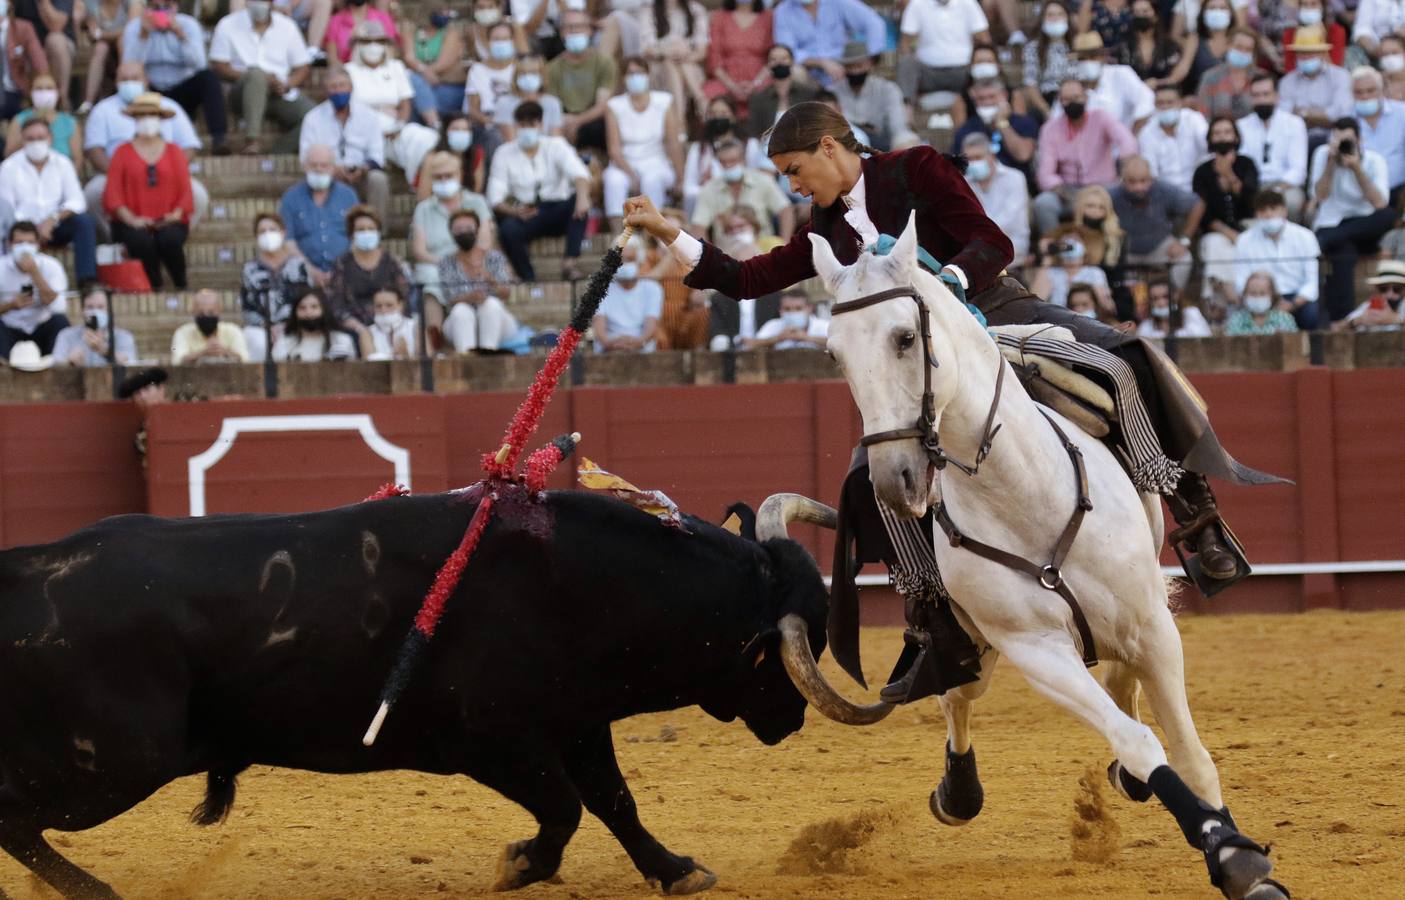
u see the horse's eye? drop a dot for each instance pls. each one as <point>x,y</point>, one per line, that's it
<point>905,340</point>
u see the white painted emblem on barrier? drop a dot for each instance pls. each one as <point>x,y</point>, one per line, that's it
<point>231,428</point>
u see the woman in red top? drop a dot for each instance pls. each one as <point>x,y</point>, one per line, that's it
<point>736,52</point>
<point>148,194</point>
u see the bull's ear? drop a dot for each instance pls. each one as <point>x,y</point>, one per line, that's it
<point>904,254</point>
<point>827,265</point>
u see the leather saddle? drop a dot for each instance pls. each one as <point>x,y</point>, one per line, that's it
<point>1054,384</point>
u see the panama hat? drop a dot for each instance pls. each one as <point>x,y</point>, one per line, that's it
<point>1309,38</point>
<point>1089,43</point>
<point>24,356</point>
<point>1388,271</point>
<point>148,104</point>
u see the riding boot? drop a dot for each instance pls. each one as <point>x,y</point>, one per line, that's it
<point>1202,530</point>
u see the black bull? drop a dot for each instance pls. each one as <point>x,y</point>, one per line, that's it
<point>140,650</point>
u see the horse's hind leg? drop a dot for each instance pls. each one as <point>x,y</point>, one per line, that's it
<point>959,797</point>
<point>21,837</point>
<point>1237,865</point>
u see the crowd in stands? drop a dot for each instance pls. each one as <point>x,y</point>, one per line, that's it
<point>1190,168</point>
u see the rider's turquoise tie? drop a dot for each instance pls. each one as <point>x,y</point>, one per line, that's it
<point>885,246</point>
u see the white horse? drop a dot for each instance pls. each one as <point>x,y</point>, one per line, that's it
<point>1020,501</point>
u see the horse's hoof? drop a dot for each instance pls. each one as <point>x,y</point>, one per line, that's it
<point>515,869</point>
<point>1127,784</point>
<point>959,797</point>
<point>946,818</point>
<point>1244,875</point>
<point>695,882</point>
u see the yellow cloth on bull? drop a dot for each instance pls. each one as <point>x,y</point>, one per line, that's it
<point>655,503</point>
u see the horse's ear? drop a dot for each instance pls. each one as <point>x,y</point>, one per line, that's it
<point>827,265</point>
<point>905,250</point>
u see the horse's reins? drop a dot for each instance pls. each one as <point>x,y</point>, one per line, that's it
<point>1049,576</point>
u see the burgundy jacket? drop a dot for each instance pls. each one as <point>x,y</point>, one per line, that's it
<point>951,225</point>
<point>25,53</point>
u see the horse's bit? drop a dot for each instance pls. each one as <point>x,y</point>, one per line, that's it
<point>925,432</point>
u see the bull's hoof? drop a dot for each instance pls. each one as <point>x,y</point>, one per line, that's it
<point>1244,876</point>
<point>695,882</point>
<point>1127,784</point>
<point>960,797</point>
<point>516,868</point>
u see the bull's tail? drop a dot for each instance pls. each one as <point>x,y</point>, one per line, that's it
<point>220,785</point>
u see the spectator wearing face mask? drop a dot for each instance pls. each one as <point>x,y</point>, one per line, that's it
<point>796,328</point>
<point>106,21</point>
<point>1384,309</point>
<point>487,15</point>
<point>1309,15</point>
<point>739,41</point>
<point>262,55</point>
<point>1174,142</point>
<point>32,285</point>
<point>90,343</point>
<point>109,127</point>
<point>470,289</point>
<point>583,78</point>
<point>170,45</point>
<point>1261,310</point>
<point>381,83</point>
<point>1010,136</point>
<point>41,186</point>
<point>539,188</point>
<point>938,37</point>
<point>1156,56</point>
<point>1316,90</point>
<point>1185,321</point>
<point>740,186</point>
<point>24,58</point>
<point>1392,63</point>
<point>700,163</point>
<point>628,319</point>
<point>357,274</point>
<point>1083,300</point>
<point>1076,148</point>
<point>1208,42</point>
<point>1048,63</point>
<point>784,91</point>
<point>353,130</point>
<point>1352,187</point>
<point>489,80</point>
<point>148,195</point>
<point>643,130</point>
<point>1375,20</point>
<point>430,237</point>
<point>436,61</point>
<point>315,210</point>
<point>527,88</point>
<point>1065,263</point>
<point>1159,220</point>
<point>1286,251</point>
<point>341,29</point>
<point>208,338</point>
<point>311,334</point>
<point>1382,125</point>
<point>458,140</point>
<point>269,283</point>
<point>394,333</point>
<point>1111,87</point>
<point>1276,140</point>
<point>816,31</point>
<point>1001,191</point>
<point>1224,90</point>
<point>65,132</point>
<point>872,100</point>
<point>1227,184</point>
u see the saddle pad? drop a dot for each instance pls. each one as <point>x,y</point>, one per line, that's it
<point>1020,332</point>
<point>1063,378</point>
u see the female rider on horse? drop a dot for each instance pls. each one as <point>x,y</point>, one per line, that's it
<point>860,195</point>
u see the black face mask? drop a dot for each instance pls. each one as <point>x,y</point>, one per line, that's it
<point>465,239</point>
<point>856,81</point>
<point>716,127</point>
<point>207,324</point>
<point>309,324</point>
<point>1143,23</point>
<point>1074,110</point>
<point>1094,223</point>
<point>1220,148</point>
<point>780,71</point>
<point>1264,110</point>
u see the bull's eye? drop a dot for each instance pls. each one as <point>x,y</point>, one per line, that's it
<point>904,340</point>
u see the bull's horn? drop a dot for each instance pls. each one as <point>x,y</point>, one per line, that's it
<point>779,510</point>
<point>800,666</point>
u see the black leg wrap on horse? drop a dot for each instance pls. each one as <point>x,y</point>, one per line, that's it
<point>960,792</point>
<point>1191,814</point>
<point>1130,784</point>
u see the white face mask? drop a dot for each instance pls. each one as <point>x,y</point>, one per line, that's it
<point>270,241</point>
<point>1217,19</point>
<point>366,241</point>
<point>149,126</point>
<point>529,138</point>
<point>1310,16</point>
<point>1161,312</point>
<point>982,71</point>
<point>487,17</point>
<point>796,320</point>
<point>501,50</point>
<point>1258,304</point>
<point>130,90</point>
<point>1090,70</point>
<point>319,181</point>
<point>372,53</point>
<point>529,82</point>
<point>1169,118</point>
<point>37,151</point>
<point>389,321</point>
<point>1393,62</point>
<point>459,139</point>
<point>22,251</point>
<point>1088,313</point>
<point>627,271</point>
<point>978,169</point>
<point>1273,225</point>
<point>987,113</point>
<point>636,83</point>
<point>745,236</point>
<point>45,98</point>
<point>1056,28</point>
<point>444,188</point>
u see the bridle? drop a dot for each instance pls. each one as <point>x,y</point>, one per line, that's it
<point>1049,576</point>
<point>925,430</point>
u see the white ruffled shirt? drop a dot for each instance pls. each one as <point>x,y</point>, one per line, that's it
<point>687,250</point>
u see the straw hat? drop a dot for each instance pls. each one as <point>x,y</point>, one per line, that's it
<point>148,104</point>
<point>1088,44</point>
<point>25,357</point>
<point>1309,38</point>
<point>1388,271</point>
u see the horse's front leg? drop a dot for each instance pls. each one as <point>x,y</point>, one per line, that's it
<point>959,797</point>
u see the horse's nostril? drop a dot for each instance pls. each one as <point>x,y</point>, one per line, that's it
<point>907,480</point>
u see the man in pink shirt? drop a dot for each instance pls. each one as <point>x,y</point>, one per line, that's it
<point>1076,149</point>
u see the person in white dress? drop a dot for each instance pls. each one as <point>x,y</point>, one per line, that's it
<point>384,85</point>
<point>394,335</point>
<point>491,80</point>
<point>642,131</point>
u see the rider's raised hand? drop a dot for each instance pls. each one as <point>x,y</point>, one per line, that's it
<point>639,213</point>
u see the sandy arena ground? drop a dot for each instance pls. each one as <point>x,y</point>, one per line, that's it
<point>1304,714</point>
